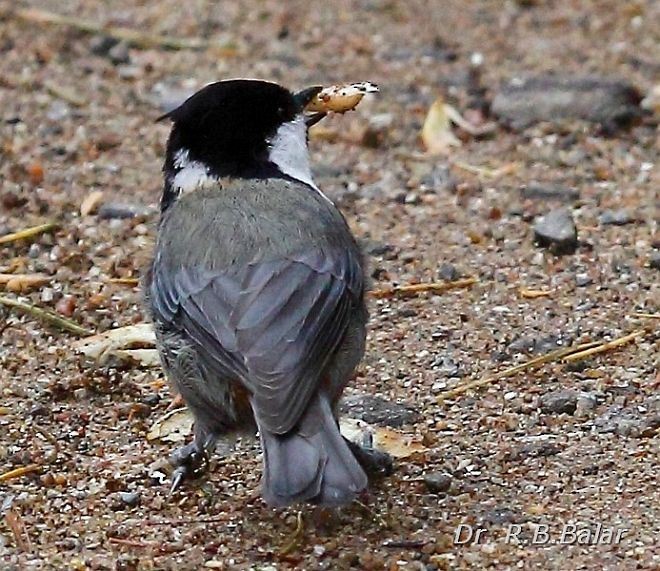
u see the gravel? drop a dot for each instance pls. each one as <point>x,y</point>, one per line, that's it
<point>73,123</point>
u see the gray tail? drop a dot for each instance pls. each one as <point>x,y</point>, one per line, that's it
<point>310,463</point>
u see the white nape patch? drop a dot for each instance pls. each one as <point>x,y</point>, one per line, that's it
<point>288,150</point>
<point>191,175</point>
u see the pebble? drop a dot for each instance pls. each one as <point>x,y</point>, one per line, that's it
<point>130,498</point>
<point>117,210</point>
<point>582,280</point>
<point>437,482</point>
<point>610,103</point>
<point>616,217</point>
<point>557,232</point>
<point>549,192</point>
<point>654,261</point>
<point>376,410</point>
<point>559,402</point>
<point>119,54</point>
<point>448,272</point>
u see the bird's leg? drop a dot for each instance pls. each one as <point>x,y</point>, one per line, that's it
<point>193,458</point>
<point>375,463</point>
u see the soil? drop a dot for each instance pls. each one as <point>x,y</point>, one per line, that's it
<point>566,444</point>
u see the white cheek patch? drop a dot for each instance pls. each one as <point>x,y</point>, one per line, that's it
<point>190,175</point>
<point>288,150</point>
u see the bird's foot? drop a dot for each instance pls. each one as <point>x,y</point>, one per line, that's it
<point>375,463</point>
<point>189,461</point>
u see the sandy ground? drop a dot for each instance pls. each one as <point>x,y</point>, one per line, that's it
<point>563,445</point>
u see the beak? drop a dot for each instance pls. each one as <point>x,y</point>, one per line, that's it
<point>303,97</point>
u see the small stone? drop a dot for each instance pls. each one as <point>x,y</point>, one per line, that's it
<point>582,280</point>
<point>112,210</point>
<point>616,217</point>
<point>586,403</point>
<point>376,410</point>
<point>119,54</point>
<point>609,102</point>
<point>448,272</point>
<point>654,261</point>
<point>438,482</point>
<point>557,232</point>
<point>559,402</point>
<point>549,192</point>
<point>131,499</point>
<point>101,45</point>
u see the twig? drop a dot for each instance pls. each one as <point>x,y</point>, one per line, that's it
<point>486,172</point>
<point>541,360</point>
<point>608,346</point>
<point>296,538</point>
<point>125,281</point>
<point>405,544</point>
<point>17,526</point>
<point>63,93</point>
<point>22,282</point>
<point>27,233</point>
<point>647,315</point>
<point>47,316</point>
<point>534,293</point>
<point>134,37</point>
<point>18,472</point>
<point>435,287</point>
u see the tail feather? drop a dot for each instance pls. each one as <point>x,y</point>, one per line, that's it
<point>311,463</point>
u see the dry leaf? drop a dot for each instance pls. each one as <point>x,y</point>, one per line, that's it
<point>91,203</point>
<point>175,426</point>
<point>100,345</point>
<point>388,440</point>
<point>436,132</point>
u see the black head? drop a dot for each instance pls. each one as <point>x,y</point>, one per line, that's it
<point>227,127</point>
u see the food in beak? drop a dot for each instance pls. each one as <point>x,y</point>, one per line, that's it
<point>340,98</point>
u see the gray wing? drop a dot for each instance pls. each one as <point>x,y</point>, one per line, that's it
<point>274,325</point>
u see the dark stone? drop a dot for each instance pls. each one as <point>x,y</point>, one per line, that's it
<point>151,400</point>
<point>447,367</point>
<point>559,402</point>
<point>448,272</point>
<point>609,102</point>
<point>500,515</point>
<point>654,261</point>
<point>380,249</point>
<point>437,482</point>
<point>111,210</point>
<point>557,232</point>
<point>101,45</point>
<point>549,192</point>
<point>375,410</point>
<point>616,217</point>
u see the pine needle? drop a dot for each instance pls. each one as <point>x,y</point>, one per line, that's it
<point>434,287</point>
<point>607,346</point>
<point>27,233</point>
<point>18,472</point>
<point>47,316</point>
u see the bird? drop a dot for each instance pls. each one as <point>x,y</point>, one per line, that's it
<point>256,292</point>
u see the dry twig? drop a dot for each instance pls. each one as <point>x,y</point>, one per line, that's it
<point>27,233</point>
<point>125,281</point>
<point>47,316</point>
<point>18,472</point>
<point>434,287</point>
<point>17,526</point>
<point>534,293</point>
<point>607,346</point>
<point>23,282</point>
<point>296,537</point>
<point>541,360</point>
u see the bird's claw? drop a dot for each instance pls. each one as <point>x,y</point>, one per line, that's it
<point>188,461</point>
<point>375,463</point>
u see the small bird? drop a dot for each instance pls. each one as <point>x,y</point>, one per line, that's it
<point>256,292</point>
